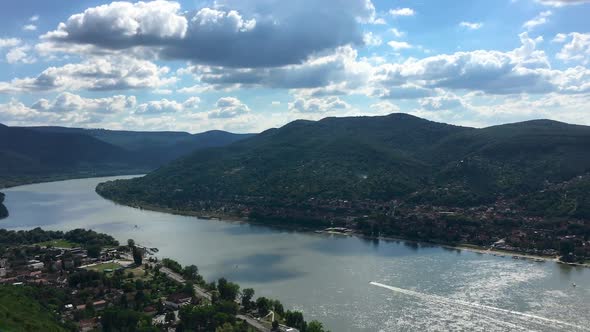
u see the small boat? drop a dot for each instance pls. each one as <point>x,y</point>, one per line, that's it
<point>573,284</point>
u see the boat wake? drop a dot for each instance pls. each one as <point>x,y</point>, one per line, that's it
<point>440,299</point>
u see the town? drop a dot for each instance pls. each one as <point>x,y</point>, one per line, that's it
<point>97,284</point>
<point>501,225</point>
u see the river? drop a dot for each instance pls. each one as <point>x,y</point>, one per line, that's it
<point>418,287</point>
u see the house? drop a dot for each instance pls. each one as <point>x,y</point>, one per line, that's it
<point>180,298</point>
<point>35,265</point>
<point>88,324</point>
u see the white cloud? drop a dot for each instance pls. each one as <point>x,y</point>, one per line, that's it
<point>20,54</point>
<point>318,105</point>
<point>30,27</point>
<point>443,102</point>
<point>471,25</point>
<point>232,33</point>
<point>540,19</point>
<point>577,49</point>
<point>399,45</point>
<point>522,70</point>
<point>69,102</point>
<point>385,107</point>
<point>65,109</point>
<point>559,38</point>
<point>402,12</point>
<point>163,106</point>
<point>228,107</point>
<point>96,73</point>
<point>34,18</point>
<point>562,3</point>
<point>397,33</point>
<point>9,42</point>
<point>372,39</point>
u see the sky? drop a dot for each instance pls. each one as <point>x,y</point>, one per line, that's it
<point>246,66</point>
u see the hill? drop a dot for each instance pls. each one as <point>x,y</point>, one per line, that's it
<point>397,168</point>
<point>44,153</point>
<point>154,147</point>
<point>20,311</point>
<point>380,158</point>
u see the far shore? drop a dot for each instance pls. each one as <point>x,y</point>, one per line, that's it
<point>462,247</point>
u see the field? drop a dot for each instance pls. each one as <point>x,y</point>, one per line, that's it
<point>59,244</point>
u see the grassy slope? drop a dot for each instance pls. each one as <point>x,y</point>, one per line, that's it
<point>19,312</point>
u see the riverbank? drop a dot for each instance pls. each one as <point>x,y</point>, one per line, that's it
<point>465,247</point>
<point>15,181</point>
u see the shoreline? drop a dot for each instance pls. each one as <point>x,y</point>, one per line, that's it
<point>66,177</point>
<point>461,247</point>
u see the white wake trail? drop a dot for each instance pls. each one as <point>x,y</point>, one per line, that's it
<point>437,298</point>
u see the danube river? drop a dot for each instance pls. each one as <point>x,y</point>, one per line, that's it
<point>417,287</point>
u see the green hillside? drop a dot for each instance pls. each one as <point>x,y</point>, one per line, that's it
<point>395,157</point>
<point>52,153</point>
<point>20,311</point>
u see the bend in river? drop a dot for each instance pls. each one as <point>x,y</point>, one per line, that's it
<point>416,287</point>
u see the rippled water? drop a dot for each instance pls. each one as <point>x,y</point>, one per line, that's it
<point>327,277</point>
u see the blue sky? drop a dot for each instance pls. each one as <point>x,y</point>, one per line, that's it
<point>246,66</point>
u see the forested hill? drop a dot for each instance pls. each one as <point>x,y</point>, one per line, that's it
<point>31,154</point>
<point>154,147</point>
<point>397,157</point>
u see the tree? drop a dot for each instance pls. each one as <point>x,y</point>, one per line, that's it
<point>130,243</point>
<point>137,256</point>
<point>295,319</point>
<point>170,317</point>
<point>315,326</point>
<point>275,325</point>
<point>190,272</point>
<point>247,295</point>
<point>94,251</point>
<point>227,290</point>
<point>263,306</point>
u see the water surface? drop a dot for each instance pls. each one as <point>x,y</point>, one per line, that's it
<point>328,277</point>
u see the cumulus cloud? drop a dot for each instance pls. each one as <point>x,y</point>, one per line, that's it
<point>96,73</point>
<point>29,27</point>
<point>397,33</point>
<point>522,70</point>
<point>540,19</point>
<point>402,12</point>
<point>372,39</point>
<point>443,102</point>
<point>471,25</point>
<point>229,107</point>
<point>577,49</point>
<point>317,105</point>
<point>9,42</point>
<point>341,66</point>
<point>399,45</point>
<point>20,54</point>
<point>69,102</point>
<point>233,33</point>
<point>167,106</point>
<point>561,3</point>
<point>65,109</point>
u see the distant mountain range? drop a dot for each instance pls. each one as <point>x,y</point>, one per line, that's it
<point>31,154</point>
<point>397,157</point>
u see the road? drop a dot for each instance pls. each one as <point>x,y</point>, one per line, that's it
<point>202,293</point>
<point>253,322</point>
<point>176,277</point>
